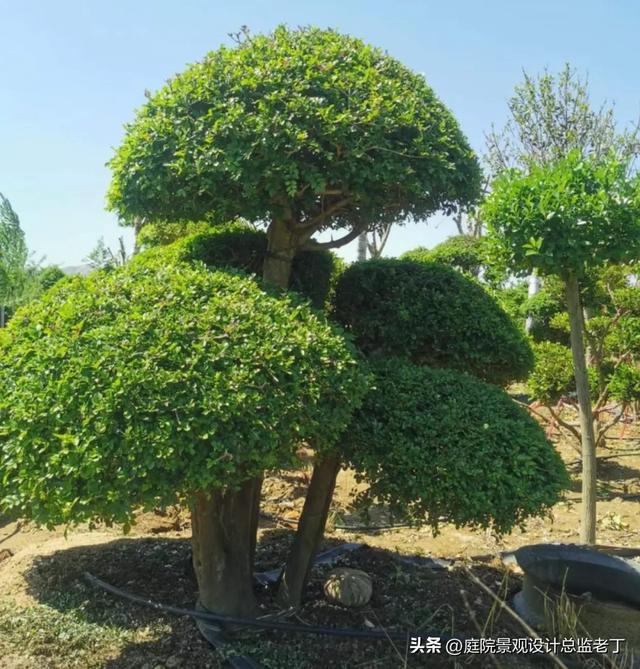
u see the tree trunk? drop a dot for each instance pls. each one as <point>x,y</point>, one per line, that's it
<point>534,289</point>
<point>589,482</point>
<point>281,248</point>
<point>2,316</point>
<point>362,247</point>
<point>222,544</point>
<point>310,530</point>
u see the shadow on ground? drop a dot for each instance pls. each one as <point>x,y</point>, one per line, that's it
<point>406,597</point>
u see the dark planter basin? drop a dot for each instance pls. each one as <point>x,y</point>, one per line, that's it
<point>604,591</point>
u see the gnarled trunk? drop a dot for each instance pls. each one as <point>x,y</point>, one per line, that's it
<point>589,481</point>
<point>222,543</point>
<point>310,530</point>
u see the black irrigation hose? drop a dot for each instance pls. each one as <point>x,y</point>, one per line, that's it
<point>257,623</point>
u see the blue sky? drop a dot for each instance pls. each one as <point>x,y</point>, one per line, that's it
<point>73,72</point>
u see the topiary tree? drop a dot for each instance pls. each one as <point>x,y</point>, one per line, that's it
<point>143,386</point>
<point>303,131</point>
<point>426,314</point>
<point>437,445</point>
<point>558,220</point>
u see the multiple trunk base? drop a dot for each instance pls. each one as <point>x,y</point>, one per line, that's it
<point>224,530</point>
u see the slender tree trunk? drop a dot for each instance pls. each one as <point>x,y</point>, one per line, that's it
<point>310,530</point>
<point>137,226</point>
<point>362,247</point>
<point>2,316</point>
<point>222,544</point>
<point>534,289</point>
<point>589,482</point>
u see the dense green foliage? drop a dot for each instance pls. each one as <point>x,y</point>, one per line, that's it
<point>430,314</point>
<point>438,445</point>
<point>545,308</point>
<point>49,276</point>
<point>552,375</point>
<point>306,124</point>
<point>139,385</point>
<point>160,234</point>
<point>241,246</point>
<point>564,217</point>
<point>612,332</point>
<point>30,283</point>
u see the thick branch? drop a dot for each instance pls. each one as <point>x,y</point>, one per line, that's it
<point>313,245</point>
<point>316,221</point>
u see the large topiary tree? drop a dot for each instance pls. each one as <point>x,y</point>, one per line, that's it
<point>303,131</point>
<point>146,385</point>
<point>558,220</point>
<point>426,314</point>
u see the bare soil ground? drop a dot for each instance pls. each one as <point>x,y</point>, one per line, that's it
<point>50,616</point>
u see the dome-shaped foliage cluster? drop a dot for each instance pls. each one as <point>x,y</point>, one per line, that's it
<point>440,445</point>
<point>161,234</point>
<point>134,386</point>
<point>291,117</point>
<point>241,246</point>
<point>462,252</point>
<point>431,315</point>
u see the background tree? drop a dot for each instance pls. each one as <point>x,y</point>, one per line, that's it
<point>13,257</point>
<point>302,131</point>
<point>103,257</point>
<point>550,116</point>
<point>461,252</point>
<point>613,341</point>
<point>373,243</point>
<point>171,388</point>
<point>559,219</point>
<point>426,314</point>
